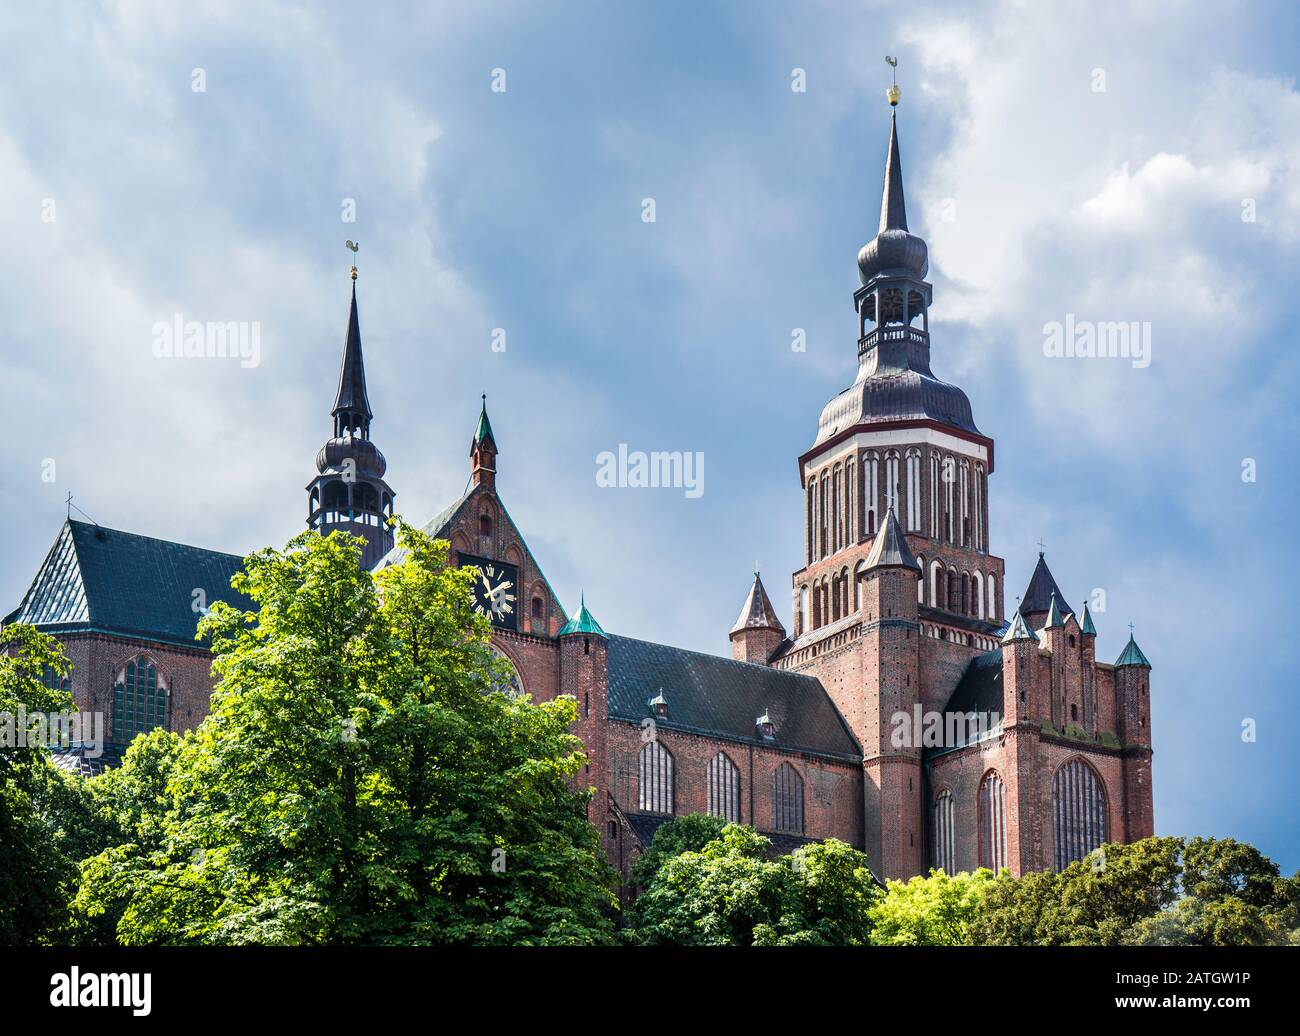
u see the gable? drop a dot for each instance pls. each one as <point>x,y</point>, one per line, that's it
<point>459,524</point>
<point>106,580</point>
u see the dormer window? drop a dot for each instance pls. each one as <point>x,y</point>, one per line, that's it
<point>766,728</point>
<point>659,705</point>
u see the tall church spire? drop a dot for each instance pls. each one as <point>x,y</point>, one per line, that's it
<point>348,492</point>
<point>893,209</point>
<point>351,403</point>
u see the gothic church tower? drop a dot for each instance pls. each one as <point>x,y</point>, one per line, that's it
<point>349,491</point>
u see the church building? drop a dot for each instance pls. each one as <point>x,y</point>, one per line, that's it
<point>899,712</point>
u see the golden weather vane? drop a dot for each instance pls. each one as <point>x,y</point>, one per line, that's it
<point>353,247</point>
<point>893,93</point>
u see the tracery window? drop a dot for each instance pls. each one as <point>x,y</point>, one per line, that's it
<point>945,833</point>
<point>787,800</point>
<point>1078,812</point>
<point>993,822</point>
<point>139,700</point>
<point>724,788</point>
<point>656,779</point>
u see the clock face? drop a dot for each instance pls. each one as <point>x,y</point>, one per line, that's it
<point>495,590</point>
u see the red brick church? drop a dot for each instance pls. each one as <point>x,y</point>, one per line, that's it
<point>899,712</point>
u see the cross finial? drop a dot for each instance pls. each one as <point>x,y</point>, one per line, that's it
<point>1041,546</point>
<point>1130,631</point>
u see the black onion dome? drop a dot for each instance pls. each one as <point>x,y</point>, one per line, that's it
<point>370,463</point>
<point>894,249</point>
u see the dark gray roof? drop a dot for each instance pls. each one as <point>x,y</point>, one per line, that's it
<point>351,395</point>
<point>980,686</point>
<point>890,546</point>
<point>721,697</point>
<point>757,611</point>
<point>1037,598</point>
<point>118,582</point>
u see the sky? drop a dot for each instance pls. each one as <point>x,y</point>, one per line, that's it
<point>1137,165</point>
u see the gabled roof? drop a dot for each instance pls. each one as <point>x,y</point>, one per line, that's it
<point>110,581</point>
<point>351,395</point>
<point>1037,598</point>
<point>890,547</point>
<point>721,697</point>
<point>757,611</point>
<point>1132,655</point>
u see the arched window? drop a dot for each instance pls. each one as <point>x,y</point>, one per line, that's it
<point>139,700</point>
<point>656,774</point>
<point>1078,812</point>
<point>945,833</point>
<point>979,507</point>
<point>787,800</point>
<point>913,490</point>
<point>952,595</point>
<point>993,822</point>
<point>993,597</point>
<point>935,507</point>
<point>920,583</point>
<point>891,480</point>
<point>964,604</point>
<point>812,521</point>
<point>835,510</point>
<point>963,489</point>
<point>978,594</point>
<point>859,577</point>
<point>871,492</point>
<point>949,491</point>
<point>938,584</point>
<point>724,788</point>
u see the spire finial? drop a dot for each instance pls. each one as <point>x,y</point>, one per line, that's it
<point>893,93</point>
<point>1130,631</point>
<point>1041,547</point>
<point>352,247</point>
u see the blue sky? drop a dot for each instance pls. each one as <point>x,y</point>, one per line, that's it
<point>1039,195</point>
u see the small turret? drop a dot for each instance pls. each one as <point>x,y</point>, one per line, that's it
<point>483,452</point>
<point>758,632</point>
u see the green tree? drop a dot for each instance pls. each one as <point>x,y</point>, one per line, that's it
<point>35,872</point>
<point>359,780</point>
<point>730,891</point>
<point>690,833</point>
<point>935,910</point>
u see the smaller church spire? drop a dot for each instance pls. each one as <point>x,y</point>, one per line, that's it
<point>1018,630</point>
<point>1132,655</point>
<point>351,403</point>
<point>890,547</point>
<point>483,452</point>
<point>1054,619</point>
<point>1087,629</point>
<point>757,611</point>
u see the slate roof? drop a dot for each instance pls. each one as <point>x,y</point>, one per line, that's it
<point>434,528</point>
<point>119,582</point>
<point>721,697</point>
<point>890,546</point>
<point>1037,598</point>
<point>351,395</point>
<point>980,686</point>
<point>757,611</point>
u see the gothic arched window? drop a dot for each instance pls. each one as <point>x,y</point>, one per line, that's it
<point>656,779</point>
<point>993,597</point>
<point>945,833</point>
<point>953,590</point>
<point>787,800</point>
<point>938,584</point>
<point>724,788</point>
<point>871,491</point>
<point>891,480</point>
<point>1078,812</point>
<point>993,822</point>
<point>920,583</point>
<point>139,700</point>
<point>913,490</point>
<point>978,594</point>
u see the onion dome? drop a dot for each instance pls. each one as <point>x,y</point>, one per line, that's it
<point>893,250</point>
<point>367,460</point>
